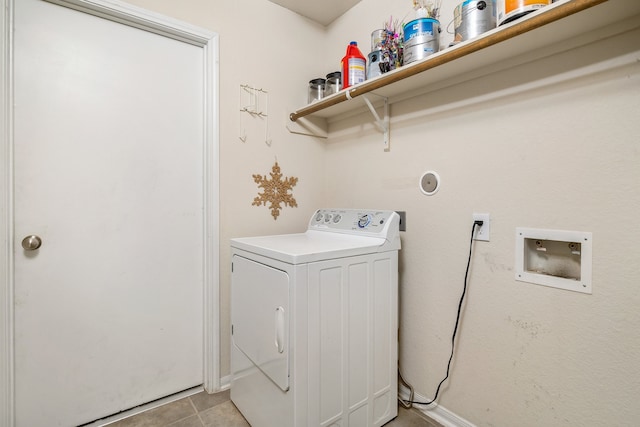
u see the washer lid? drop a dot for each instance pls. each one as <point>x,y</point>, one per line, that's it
<point>331,234</point>
<point>310,246</point>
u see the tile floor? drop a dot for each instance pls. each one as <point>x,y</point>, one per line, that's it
<point>217,410</point>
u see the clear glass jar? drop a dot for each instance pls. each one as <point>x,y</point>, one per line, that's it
<point>316,90</point>
<point>333,83</point>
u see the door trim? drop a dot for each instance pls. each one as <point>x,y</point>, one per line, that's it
<point>129,15</point>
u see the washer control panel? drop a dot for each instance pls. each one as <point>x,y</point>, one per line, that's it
<point>356,221</point>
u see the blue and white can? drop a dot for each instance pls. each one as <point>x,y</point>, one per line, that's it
<point>421,39</point>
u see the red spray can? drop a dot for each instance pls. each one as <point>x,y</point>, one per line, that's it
<point>353,66</point>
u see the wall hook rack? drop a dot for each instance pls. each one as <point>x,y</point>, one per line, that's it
<point>255,102</point>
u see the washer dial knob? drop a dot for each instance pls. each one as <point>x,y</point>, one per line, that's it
<point>364,220</point>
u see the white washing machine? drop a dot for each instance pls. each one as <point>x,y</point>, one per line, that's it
<point>315,322</point>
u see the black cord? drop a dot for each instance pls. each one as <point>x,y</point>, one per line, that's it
<point>455,329</point>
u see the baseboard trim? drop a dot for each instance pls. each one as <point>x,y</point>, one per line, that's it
<point>225,383</point>
<point>146,407</point>
<point>436,412</point>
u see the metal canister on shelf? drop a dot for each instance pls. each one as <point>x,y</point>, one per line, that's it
<point>377,39</point>
<point>374,63</point>
<point>333,83</point>
<point>421,39</point>
<point>316,89</point>
<point>510,10</point>
<point>472,18</point>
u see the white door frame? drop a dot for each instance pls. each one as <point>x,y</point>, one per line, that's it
<point>129,15</point>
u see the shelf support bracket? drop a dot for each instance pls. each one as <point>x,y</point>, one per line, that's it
<point>381,124</point>
<point>310,126</point>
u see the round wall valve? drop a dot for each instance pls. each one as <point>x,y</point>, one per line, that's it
<point>429,183</point>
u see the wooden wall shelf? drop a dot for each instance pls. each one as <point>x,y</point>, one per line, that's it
<point>550,26</point>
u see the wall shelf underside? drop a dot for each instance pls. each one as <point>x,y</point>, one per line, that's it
<point>549,27</point>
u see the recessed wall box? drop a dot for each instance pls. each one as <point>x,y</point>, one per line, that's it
<point>557,258</point>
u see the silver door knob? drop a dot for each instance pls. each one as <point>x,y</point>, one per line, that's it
<point>31,243</point>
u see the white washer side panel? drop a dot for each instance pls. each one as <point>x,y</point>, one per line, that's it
<point>385,338</point>
<point>353,321</point>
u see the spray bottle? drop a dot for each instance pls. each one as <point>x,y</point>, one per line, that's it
<point>353,66</point>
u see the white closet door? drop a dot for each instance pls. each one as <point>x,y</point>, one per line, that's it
<point>108,174</point>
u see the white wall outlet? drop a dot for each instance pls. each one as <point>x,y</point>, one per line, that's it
<point>482,232</point>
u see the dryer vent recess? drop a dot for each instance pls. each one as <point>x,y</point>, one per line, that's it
<point>429,183</point>
<point>403,220</point>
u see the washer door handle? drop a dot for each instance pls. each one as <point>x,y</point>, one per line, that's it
<point>279,327</point>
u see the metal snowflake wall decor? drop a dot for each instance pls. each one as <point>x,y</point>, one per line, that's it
<point>275,191</point>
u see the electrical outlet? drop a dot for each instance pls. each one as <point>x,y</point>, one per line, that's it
<point>403,220</point>
<point>483,231</point>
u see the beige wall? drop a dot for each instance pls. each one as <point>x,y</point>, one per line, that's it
<point>526,144</point>
<point>266,46</point>
<point>533,150</point>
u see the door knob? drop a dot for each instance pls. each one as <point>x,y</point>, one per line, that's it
<point>31,243</point>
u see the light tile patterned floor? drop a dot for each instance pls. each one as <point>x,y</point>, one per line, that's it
<point>217,410</point>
